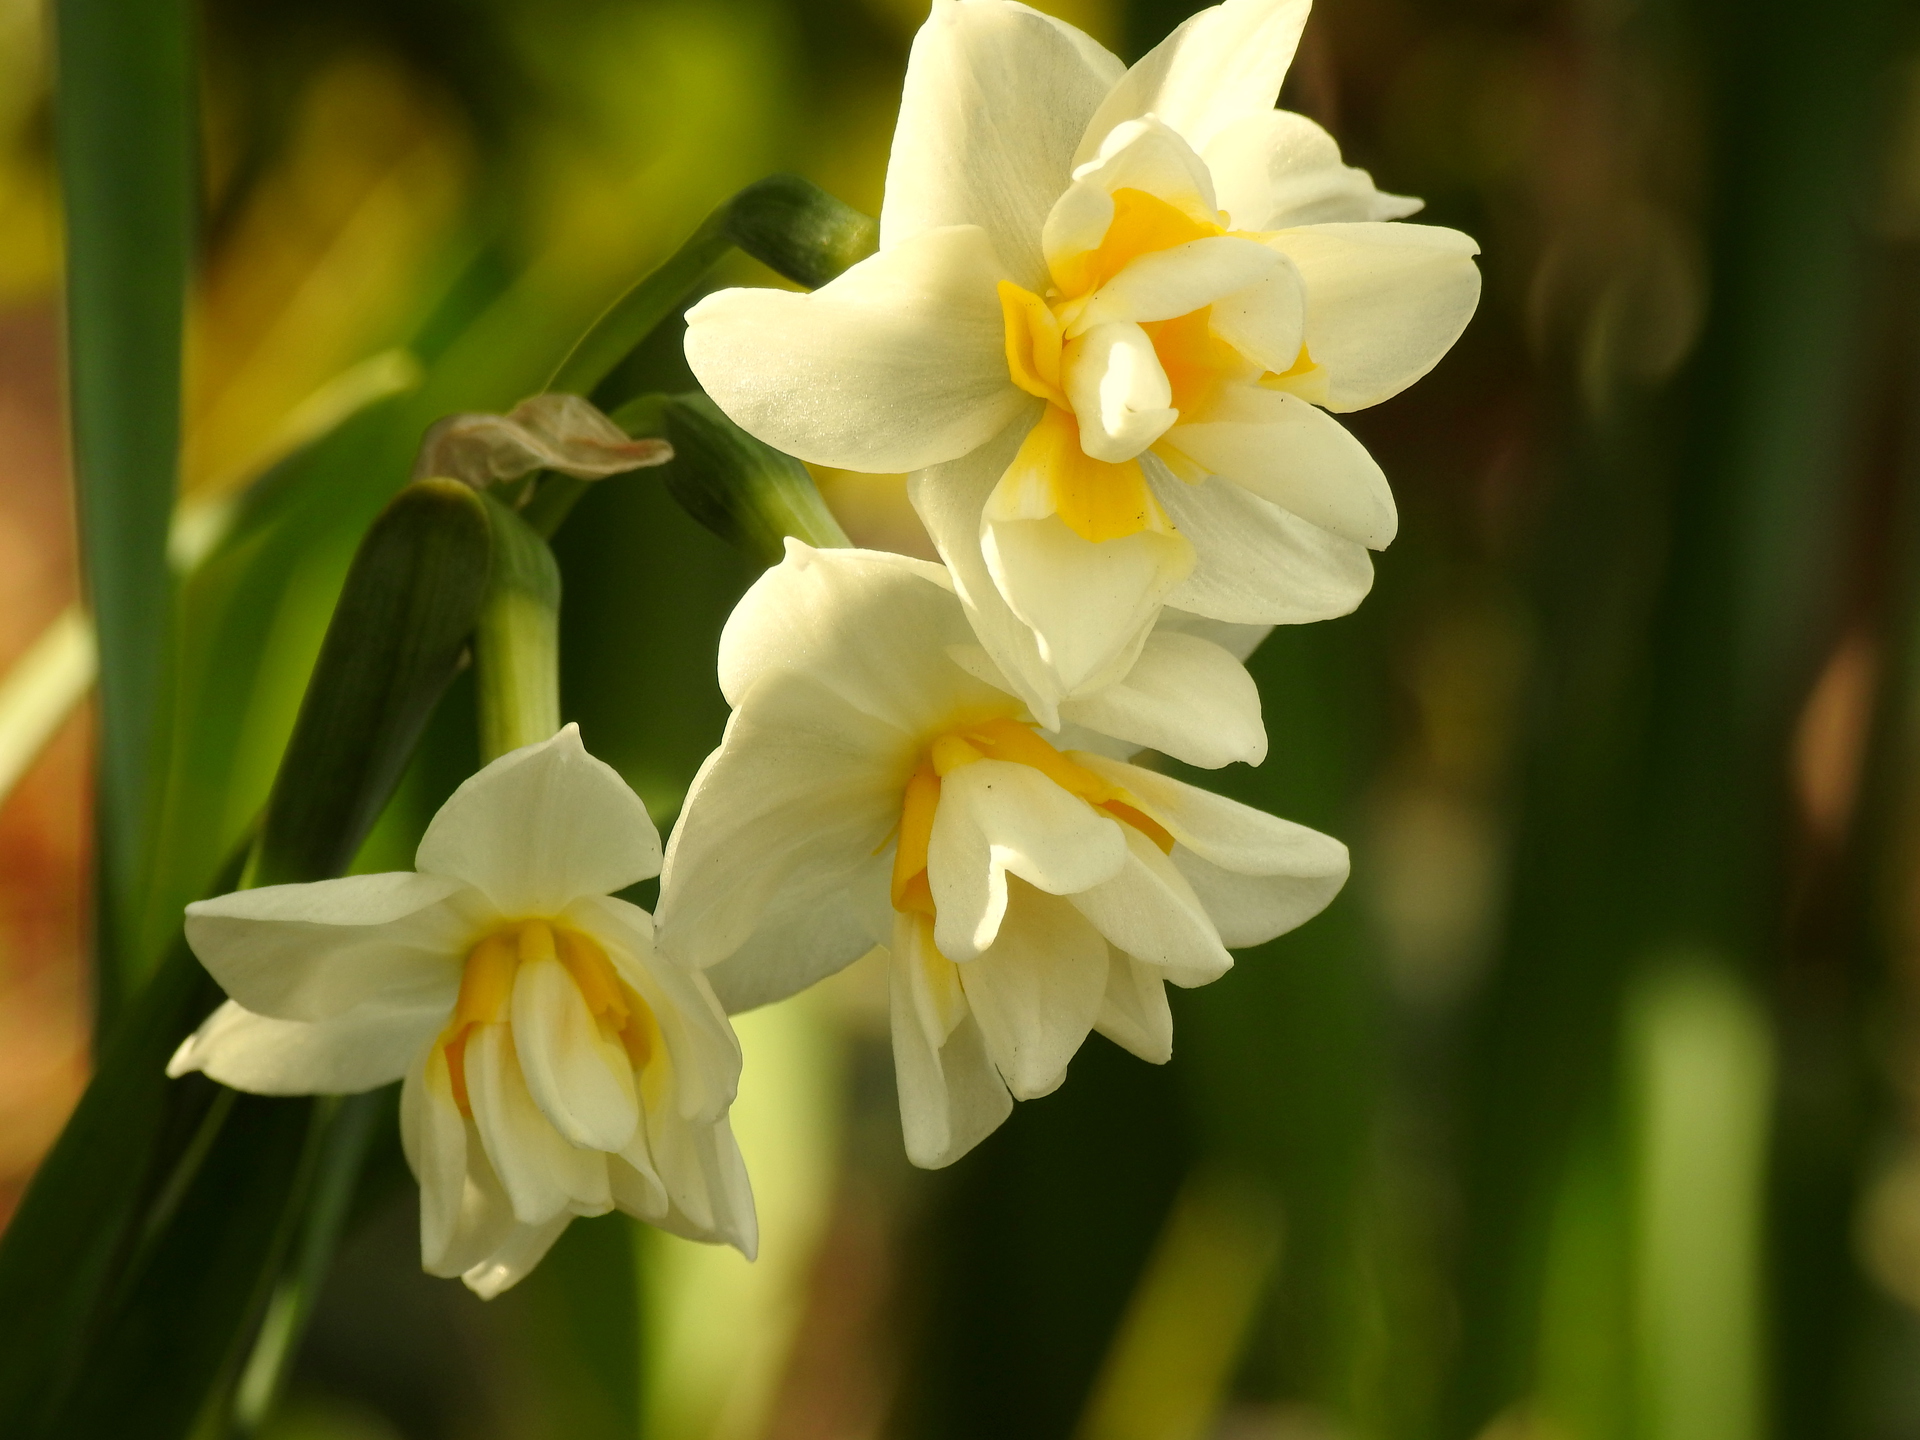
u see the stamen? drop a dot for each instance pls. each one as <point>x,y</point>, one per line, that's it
<point>998,738</point>
<point>486,992</point>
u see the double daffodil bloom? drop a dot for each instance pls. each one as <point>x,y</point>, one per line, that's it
<point>880,783</point>
<point>555,1064</point>
<point>1111,312</point>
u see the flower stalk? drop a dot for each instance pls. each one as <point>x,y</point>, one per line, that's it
<point>516,642</point>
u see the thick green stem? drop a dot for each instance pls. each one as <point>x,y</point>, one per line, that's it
<point>517,642</point>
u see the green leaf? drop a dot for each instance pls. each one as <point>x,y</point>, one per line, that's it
<point>409,604</point>
<point>80,1221</point>
<point>151,1239</point>
<point>124,108</point>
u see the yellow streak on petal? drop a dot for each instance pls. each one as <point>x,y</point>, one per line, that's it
<point>997,738</point>
<point>1097,500</point>
<point>1033,343</point>
<point>911,892</point>
<point>486,991</point>
<point>1142,224</point>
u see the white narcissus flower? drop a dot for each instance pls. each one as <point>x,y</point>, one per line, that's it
<point>555,1063</point>
<point>879,783</point>
<point>1110,313</point>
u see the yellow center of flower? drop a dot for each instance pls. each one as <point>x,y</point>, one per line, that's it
<point>996,739</point>
<point>486,991</point>
<point>1101,500</point>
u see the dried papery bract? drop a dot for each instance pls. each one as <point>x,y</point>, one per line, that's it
<point>547,432</point>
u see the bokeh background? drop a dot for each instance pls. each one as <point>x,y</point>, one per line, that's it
<point>1588,1111</point>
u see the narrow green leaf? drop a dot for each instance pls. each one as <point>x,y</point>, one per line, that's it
<point>410,602</point>
<point>80,1220</point>
<point>124,108</point>
<point>153,1270</point>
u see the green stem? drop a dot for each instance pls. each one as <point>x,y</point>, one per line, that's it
<point>517,641</point>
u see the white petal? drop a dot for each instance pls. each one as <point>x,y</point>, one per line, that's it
<point>524,1247</point>
<point>807,932</point>
<point>1296,871</point>
<point>870,627</point>
<point>995,101</point>
<point>1036,992</point>
<point>1296,456</point>
<point>581,1080</point>
<point>1277,169</point>
<point>787,807</point>
<point>1088,604</point>
<point>708,1195</point>
<point>1118,390</point>
<point>541,825</point>
<point>699,1039</point>
<point>1238,638</point>
<point>1151,912</point>
<point>457,1216</point>
<point>951,1097</point>
<point>1222,64</point>
<point>1133,1012</point>
<point>542,1174</point>
<point>1255,563</point>
<point>950,500</point>
<point>357,1050</point>
<point>898,363</point>
<point>1384,302</point>
<point>997,818</point>
<point>1163,284</point>
<point>311,952</point>
<point>1185,697</point>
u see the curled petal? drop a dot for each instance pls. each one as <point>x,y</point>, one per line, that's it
<point>1295,455</point>
<point>312,952</point>
<point>1144,155</point>
<point>1118,390</point>
<point>1133,1012</point>
<point>1254,562</point>
<point>1151,912</point>
<point>1258,875</point>
<point>1185,697</point>
<point>951,1097</point>
<point>1037,990</point>
<point>995,819</point>
<point>995,101</point>
<point>542,1174</point>
<point>1277,170</point>
<point>580,1078</point>
<point>358,1050</point>
<point>547,432</point>
<point>1222,64</point>
<point>900,362</point>
<point>1088,604</point>
<point>513,1259</point>
<point>1384,303</point>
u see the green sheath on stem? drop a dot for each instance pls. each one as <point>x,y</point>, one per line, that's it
<point>517,643</point>
<point>746,492</point>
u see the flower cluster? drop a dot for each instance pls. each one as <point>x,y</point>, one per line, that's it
<point>1113,314</point>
